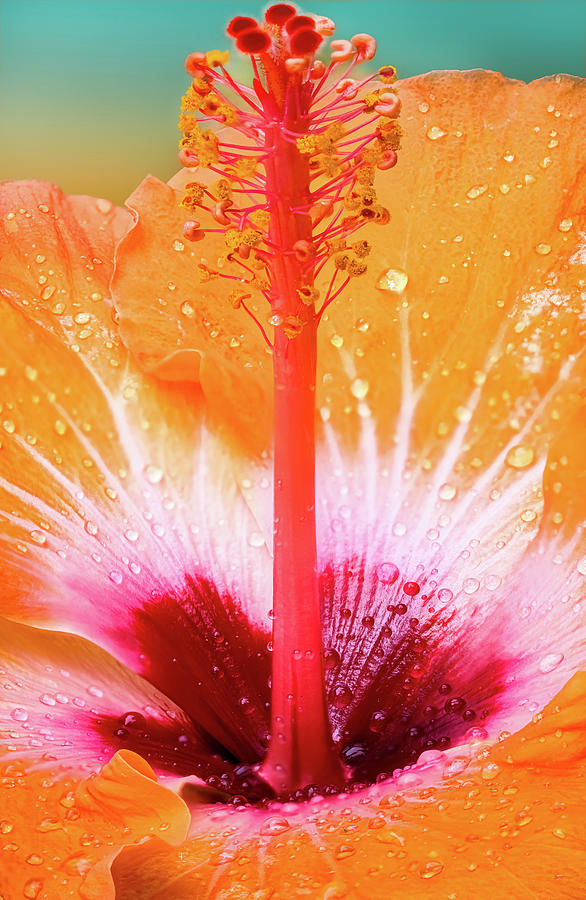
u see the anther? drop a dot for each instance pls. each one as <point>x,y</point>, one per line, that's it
<point>389,105</point>
<point>295,64</point>
<point>304,250</point>
<point>188,158</point>
<point>365,44</point>
<point>340,51</point>
<point>192,231</point>
<point>195,65</point>
<point>317,70</point>
<point>324,26</point>
<point>219,212</point>
<point>321,210</point>
<point>388,161</point>
<point>348,87</point>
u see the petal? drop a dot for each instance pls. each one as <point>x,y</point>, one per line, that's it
<point>180,329</point>
<point>472,822</point>
<point>470,347</point>
<point>68,805</point>
<point>123,519</point>
<point>65,696</point>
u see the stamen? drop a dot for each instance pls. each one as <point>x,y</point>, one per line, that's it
<point>299,166</point>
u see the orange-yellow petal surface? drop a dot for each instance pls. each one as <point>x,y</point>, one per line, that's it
<point>469,319</point>
<point>182,329</point>
<point>507,821</point>
<point>67,807</point>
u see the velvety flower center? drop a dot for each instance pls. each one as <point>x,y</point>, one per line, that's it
<point>394,658</point>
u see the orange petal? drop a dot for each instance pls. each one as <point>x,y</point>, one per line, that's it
<point>468,346</point>
<point>180,329</point>
<point>476,823</point>
<point>62,819</point>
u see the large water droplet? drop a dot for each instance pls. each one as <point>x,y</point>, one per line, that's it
<point>520,457</point>
<point>393,280</point>
<point>550,662</point>
<point>274,825</point>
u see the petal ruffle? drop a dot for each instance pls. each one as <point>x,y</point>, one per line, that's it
<point>68,804</point>
<point>180,329</point>
<point>473,822</point>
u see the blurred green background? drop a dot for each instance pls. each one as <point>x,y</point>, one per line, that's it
<point>89,89</point>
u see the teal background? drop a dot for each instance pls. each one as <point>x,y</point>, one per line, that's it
<point>89,89</point>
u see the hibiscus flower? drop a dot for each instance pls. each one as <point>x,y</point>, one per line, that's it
<point>410,722</point>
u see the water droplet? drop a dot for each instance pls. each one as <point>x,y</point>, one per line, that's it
<point>187,310</point>
<point>434,133</point>
<point>47,292</point>
<point>256,539</point>
<point>19,714</point>
<point>476,191</point>
<point>543,249</point>
<point>411,588</point>
<point>550,662</point>
<point>131,535</point>
<point>340,696</point>
<point>60,427</point>
<point>153,473</point>
<point>393,280</point>
<point>490,771</point>
<point>471,585</point>
<point>492,582</point>
<point>343,851</point>
<point>31,373</point>
<point>423,107</point>
<point>581,566</point>
<point>565,225</point>
<point>387,573</point>
<point>274,825</point>
<point>34,859</point>
<point>32,888</point>
<point>447,492</point>
<point>431,868</point>
<point>359,388</point>
<point>179,246</point>
<point>337,340</point>
<point>38,537</point>
<point>520,457</point>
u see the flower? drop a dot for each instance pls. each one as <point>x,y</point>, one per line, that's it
<point>135,476</point>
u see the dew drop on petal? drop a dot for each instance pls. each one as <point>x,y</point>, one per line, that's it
<point>388,573</point>
<point>32,888</point>
<point>490,771</point>
<point>550,662</point>
<point>447,492</point>
<point>153,473</point>
<point>520,457</point>
<point>359,388</point>
<point>19,714</point>
<point>476,191</point>
<point>581,566</point>
<point>341,696</point>
<point>274,825</point>
<point>492,582</point>
<point>393,280</point>
<point>431,868</point>
<point>471,585</point>
<point>435,133</point>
